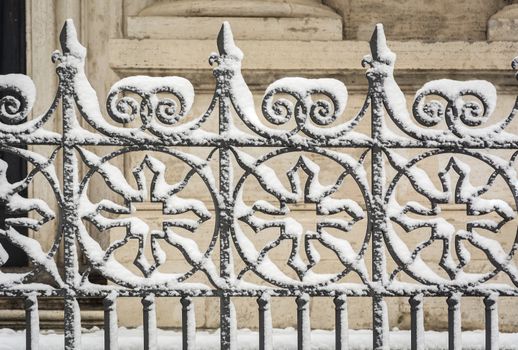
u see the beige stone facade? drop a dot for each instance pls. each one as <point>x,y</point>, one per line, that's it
<point>469,39</point>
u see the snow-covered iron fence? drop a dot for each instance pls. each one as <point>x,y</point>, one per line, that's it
<point>297,119</point>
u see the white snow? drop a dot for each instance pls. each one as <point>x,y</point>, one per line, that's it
<point>283,339</point>
<point>24,86</point>
<point>303,88</point>
<point>16,105</point>
<point>453,90</point>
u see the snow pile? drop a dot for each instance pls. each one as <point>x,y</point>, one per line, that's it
<point>283,339</point>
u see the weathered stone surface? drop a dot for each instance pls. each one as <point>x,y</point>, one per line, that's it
<point>416,62</point>
<point>239,8</point>
<point>254,28</point>
<point>314,55</point>
<point>431,21</point>
<point>503,26</point>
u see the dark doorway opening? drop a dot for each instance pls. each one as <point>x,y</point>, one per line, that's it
<point>12,60</point>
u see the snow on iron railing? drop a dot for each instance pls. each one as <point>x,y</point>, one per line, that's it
<point>371,181</point>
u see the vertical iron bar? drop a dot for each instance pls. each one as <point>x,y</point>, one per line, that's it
<point>149,311</point>
<point>110,322</point>
<point>72,320</point>
<point>32,322</point>
<point>417,322</point>
<point>223,76</point>
<point>377,222</point>
<point>72,316</point>
<point>380,326</point>
<point>188,324</point>
<point>227,312</point>
<point>341,322</point>
<point>72,323</point>
<point>492,332</point>
<point>454,322</point>
<point>303,323</point>
<point>265,322</point>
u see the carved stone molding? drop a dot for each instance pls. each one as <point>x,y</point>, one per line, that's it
<point>239,8</point>
<point>252,19</point>
<point>503,25</point>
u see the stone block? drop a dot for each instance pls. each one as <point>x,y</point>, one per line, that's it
<point>258,28</point>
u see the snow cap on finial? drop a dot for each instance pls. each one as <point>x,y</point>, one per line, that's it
<point>378,44</point>
<point>69,43</point>
<point>226,44</point>
<point>514,65</point>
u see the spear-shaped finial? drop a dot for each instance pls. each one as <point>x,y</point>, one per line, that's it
<point>226,44</point>
<point>379,49</point>
<point>68,39</point>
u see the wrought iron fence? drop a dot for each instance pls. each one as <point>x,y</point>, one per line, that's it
<point>301,118</point>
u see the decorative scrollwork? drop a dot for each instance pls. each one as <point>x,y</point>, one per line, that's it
<point>321,112</point>
<point>23,214</point>
<point>335,213</point>
<point>144,96</point>
<point>17,98</point>
<point>468,104</point>
<point>104,261</point>
<point>296,116</point>
<point>457,109</point>
<point>296,101</point>
<point>413,216</point>
<point>167,110</point>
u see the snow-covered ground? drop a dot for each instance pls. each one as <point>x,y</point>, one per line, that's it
<point>283,339</point>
